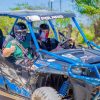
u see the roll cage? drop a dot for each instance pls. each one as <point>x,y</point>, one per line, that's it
<point>32,16</point>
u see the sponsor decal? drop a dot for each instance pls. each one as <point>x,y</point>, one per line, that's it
<point>33,18</point>
<point>51,17</point>
<point>37,18</point>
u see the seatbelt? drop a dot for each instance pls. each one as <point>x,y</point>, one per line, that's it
<point>25,51</point>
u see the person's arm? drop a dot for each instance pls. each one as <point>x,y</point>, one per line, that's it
<point>8,51</point>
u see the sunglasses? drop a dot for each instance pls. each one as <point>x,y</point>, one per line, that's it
<point>23,32</point>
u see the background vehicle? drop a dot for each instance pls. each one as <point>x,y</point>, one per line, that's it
<point>67,71</point>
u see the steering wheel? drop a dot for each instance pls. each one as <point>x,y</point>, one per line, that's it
<point>52,43</point>
<point>68,44</point>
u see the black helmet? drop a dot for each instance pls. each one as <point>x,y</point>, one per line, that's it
<point>20,26</point>
<point>44,27</point>
<point>20,31</point>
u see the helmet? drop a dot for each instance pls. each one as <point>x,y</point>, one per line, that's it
<point>44,27</point>
<point>20,31</point>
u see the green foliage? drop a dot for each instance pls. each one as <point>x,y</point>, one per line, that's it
<point>6,24</point>
<point>62,23</point>
<point>89,7</point>
<point>92,9</point>
<point>26,6</point>
<point>22,6</point>
<point>93,3</point>
<point>79,39</point>
<point>89,34</point>
<point>89,10</point>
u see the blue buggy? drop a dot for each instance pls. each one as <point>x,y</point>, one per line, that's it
<point>69,73</point>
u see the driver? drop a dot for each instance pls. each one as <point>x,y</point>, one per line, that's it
<point>44,40</point>
<point>52,44</point>
<point>43,32</point>
<point>18,46</point>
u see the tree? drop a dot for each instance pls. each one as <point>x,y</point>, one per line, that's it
<point>22,7</point>
<point>26,6</point>
<point>92,9</point>
<point>89,7</point>
<point>6,24</point>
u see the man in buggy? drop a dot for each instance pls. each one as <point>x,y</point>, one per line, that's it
<point>51,44</point>
<point>18,48</point>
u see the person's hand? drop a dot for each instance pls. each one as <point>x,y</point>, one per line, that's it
<point>8,51</point>
<point>57,48</point>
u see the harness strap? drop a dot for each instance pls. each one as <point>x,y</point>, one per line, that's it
<point>25,51</point>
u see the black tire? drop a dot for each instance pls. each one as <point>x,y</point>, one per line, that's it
<point>45,93</point>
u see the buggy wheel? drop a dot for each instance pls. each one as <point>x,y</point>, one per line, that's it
<point>45,93</point>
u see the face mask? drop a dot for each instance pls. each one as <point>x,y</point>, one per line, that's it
<point>42,36</point>
<point>20,36</point>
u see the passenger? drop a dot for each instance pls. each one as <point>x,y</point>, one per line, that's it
<point>19,46</point>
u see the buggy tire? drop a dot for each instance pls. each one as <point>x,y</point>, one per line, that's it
<point>45,93</point>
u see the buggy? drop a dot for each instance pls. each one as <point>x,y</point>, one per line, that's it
<point>71,73</point>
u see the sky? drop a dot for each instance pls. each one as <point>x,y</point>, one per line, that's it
<point>67,5</point>
<point>7,4</point>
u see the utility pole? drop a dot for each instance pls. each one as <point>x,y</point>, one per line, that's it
<point>60,5</point>
<point>51,4</point>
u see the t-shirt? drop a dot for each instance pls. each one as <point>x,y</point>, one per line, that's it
<point>18,53</point>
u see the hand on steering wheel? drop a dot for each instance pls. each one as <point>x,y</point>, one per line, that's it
<point>68,44</point>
